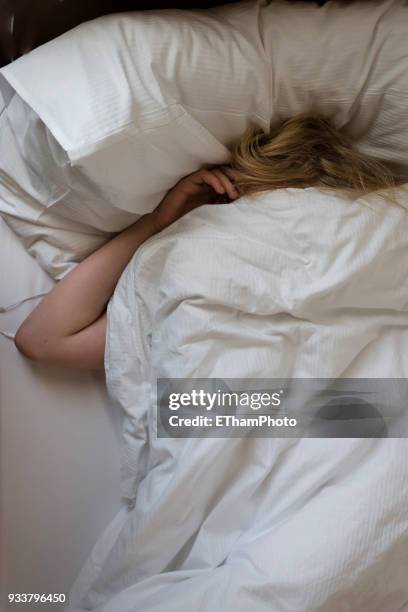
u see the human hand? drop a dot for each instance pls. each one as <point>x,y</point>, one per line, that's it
<point>202,187</point>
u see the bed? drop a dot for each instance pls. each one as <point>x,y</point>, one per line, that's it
<point>60,435</point>
<point>59,450</point>
<point>60,432</point>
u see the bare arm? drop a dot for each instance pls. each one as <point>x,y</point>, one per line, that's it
<point>68,327</point>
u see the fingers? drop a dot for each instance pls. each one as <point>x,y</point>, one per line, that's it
<point>230,172</point>
<point>221,180</point>
<point>229,187</point>
<point>210,178</point>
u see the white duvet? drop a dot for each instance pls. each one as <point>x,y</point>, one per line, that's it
<point>292,283</point>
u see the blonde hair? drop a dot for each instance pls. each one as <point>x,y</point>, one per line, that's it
<point>306,151</point>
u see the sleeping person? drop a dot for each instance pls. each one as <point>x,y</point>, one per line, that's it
<point>298,192</point>
<point>301,271</point>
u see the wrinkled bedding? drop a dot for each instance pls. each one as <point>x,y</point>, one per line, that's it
<point>106,118</point>
<point>291,283</point>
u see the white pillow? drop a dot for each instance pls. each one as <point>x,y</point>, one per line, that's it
<point>110,102</point>
<point>127,104</point>
<point>348,60</point>
<point>59,215</point>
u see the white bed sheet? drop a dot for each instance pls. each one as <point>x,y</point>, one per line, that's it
<point>59,449</point>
